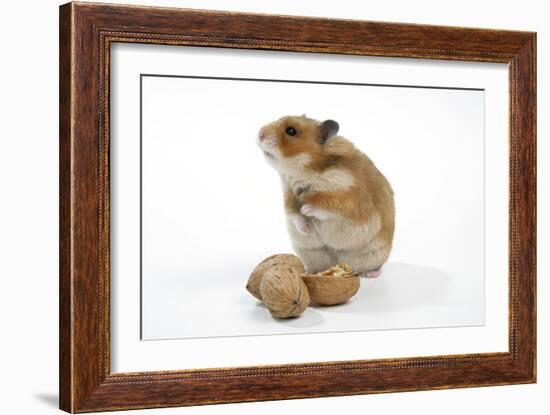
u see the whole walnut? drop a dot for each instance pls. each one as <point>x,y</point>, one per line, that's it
<point>284,292</point>
<point>289,260</point>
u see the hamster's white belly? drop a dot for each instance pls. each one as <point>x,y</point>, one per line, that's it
<point>336,240</point>
<point>341,234</point>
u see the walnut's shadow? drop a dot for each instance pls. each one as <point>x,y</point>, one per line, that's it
<point>309,318</point>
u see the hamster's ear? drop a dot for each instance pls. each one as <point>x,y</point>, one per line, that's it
<point>327,129</point>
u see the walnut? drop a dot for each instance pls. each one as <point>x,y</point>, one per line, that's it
<point>292,261</point>
<point>284,292</point>
<point>333,286</point>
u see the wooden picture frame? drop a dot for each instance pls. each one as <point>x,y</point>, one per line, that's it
<point>86,33</point>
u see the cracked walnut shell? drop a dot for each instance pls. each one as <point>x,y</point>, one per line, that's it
<point>333,286</point>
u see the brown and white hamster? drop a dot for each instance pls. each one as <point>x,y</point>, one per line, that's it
<point>339,206</point>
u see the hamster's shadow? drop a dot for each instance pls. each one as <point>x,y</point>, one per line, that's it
<point>400,287</point>
<point>309,318</point>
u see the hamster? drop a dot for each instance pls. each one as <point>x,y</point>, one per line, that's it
<point>338,205</point>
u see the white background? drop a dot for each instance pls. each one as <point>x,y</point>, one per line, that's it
<point>213,208</point>
<point>28,220</point>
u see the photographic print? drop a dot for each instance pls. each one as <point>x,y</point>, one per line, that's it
<point>385,182</point>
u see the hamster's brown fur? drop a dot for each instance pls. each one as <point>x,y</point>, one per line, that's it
<point>339,206</point>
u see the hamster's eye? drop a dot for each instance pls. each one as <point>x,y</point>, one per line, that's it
<point>291,131</point>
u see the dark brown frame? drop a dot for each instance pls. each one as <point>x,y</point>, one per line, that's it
<point>86,33</point>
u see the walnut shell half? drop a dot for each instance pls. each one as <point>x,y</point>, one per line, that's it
<point>333,286</point>
<point>290,260</point>
<point>284,292</point>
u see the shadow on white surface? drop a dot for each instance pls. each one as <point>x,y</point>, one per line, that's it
<point>400,287</point>
<point>404,296</point>
<point>314,318</point>
<point>50,399</point>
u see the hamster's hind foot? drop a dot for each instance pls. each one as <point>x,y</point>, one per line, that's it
<point>370,274</point>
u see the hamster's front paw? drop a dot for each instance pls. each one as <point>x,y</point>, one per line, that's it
<point>307,210</point>
<point>314,212</point>
<point>302,224</point>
